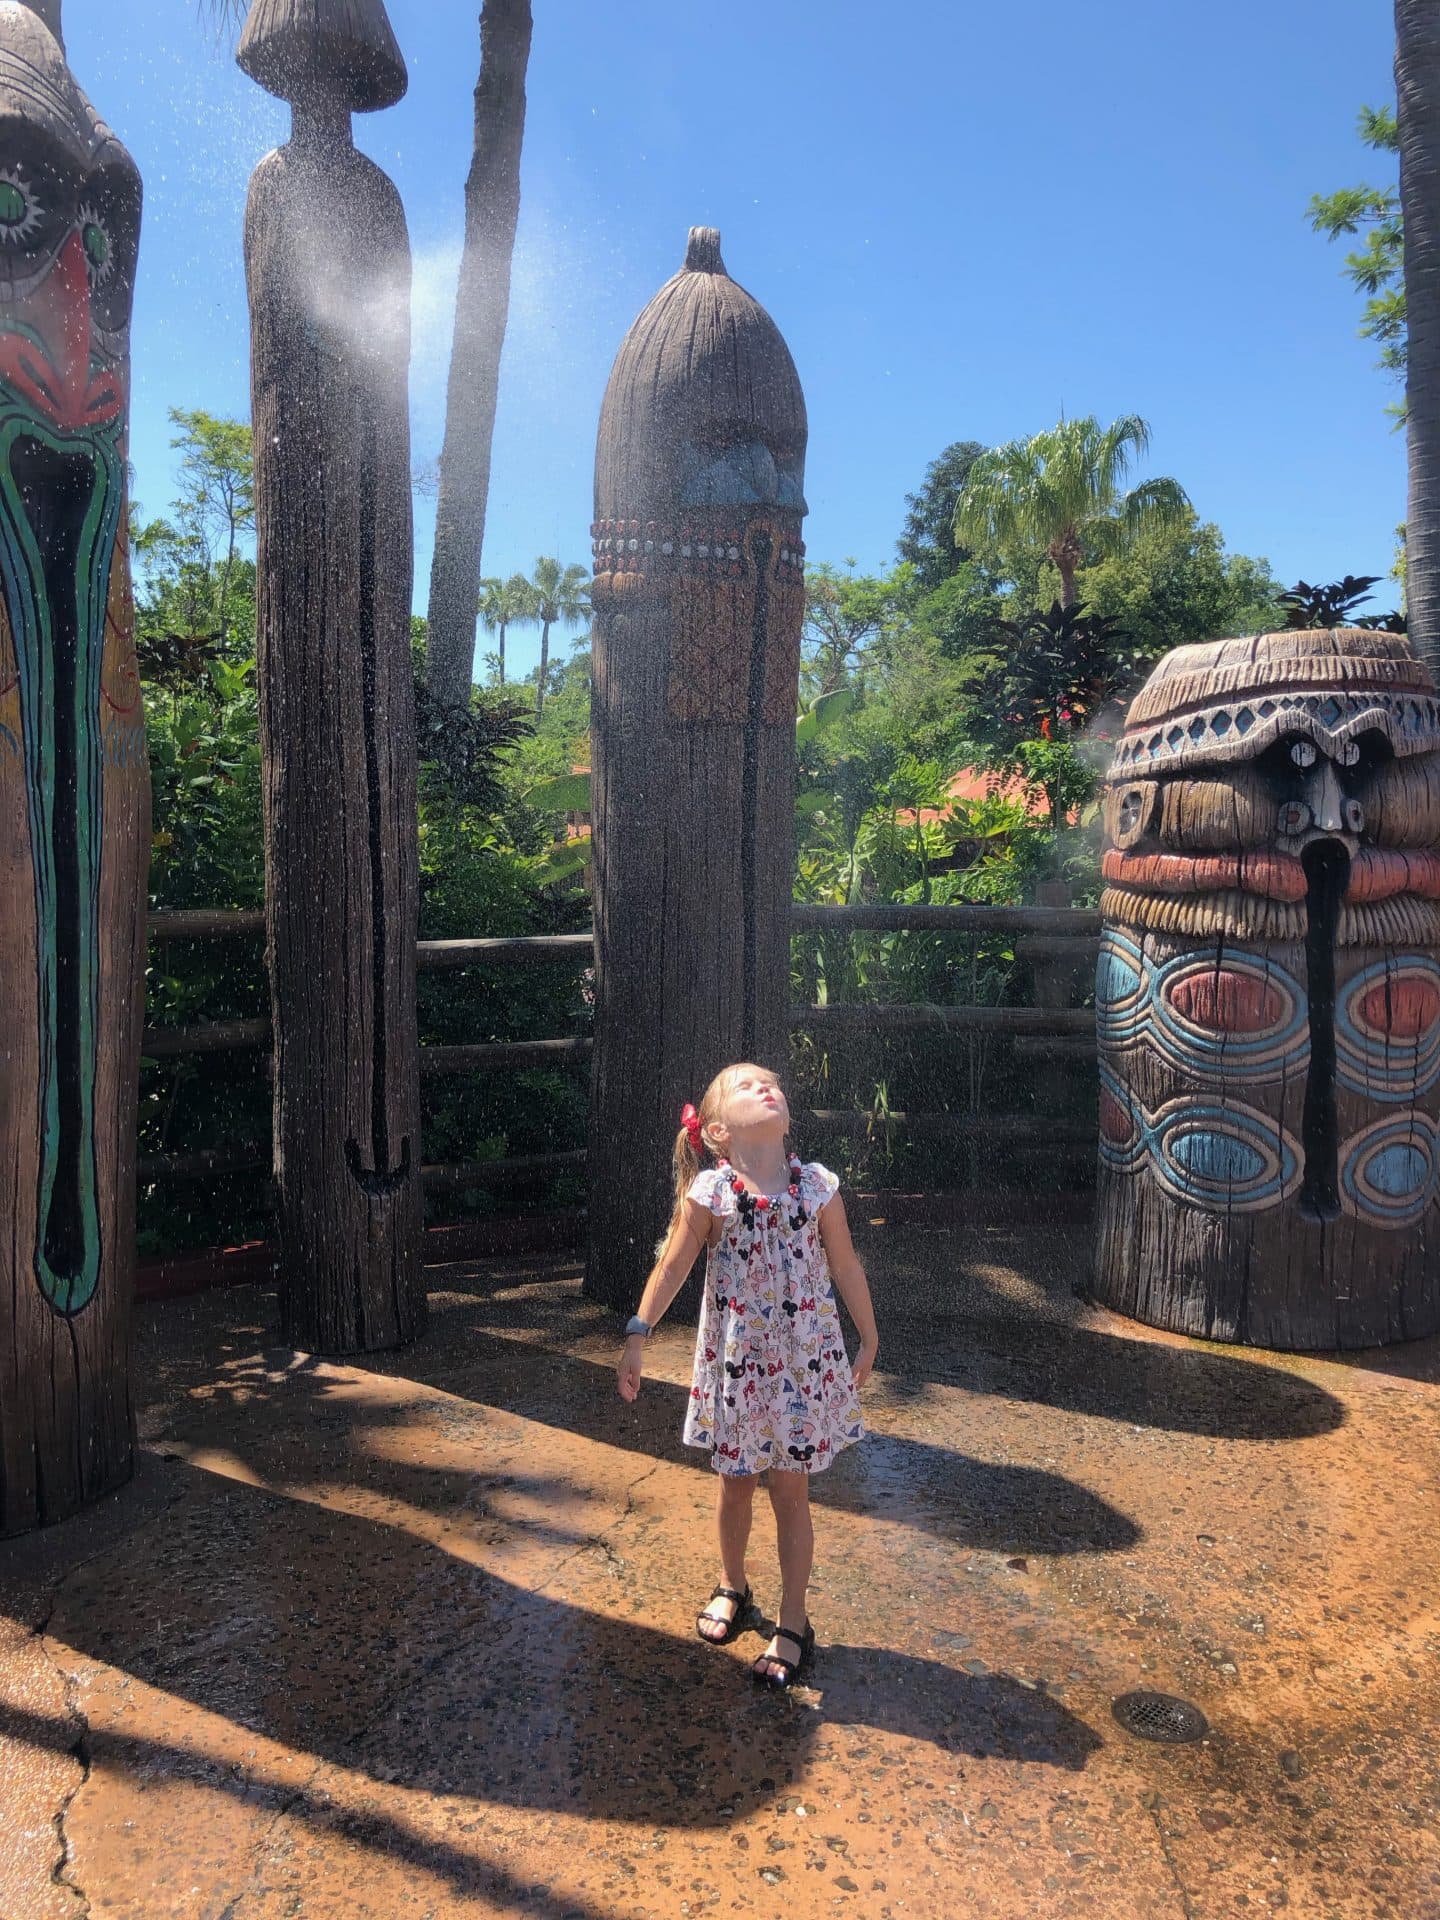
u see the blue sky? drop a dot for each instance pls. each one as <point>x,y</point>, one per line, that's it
<point>984,217</point>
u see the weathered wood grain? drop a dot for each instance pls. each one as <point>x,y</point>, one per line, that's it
<point>698,597</point>
<point>328,267</point>
<point>74,798</point>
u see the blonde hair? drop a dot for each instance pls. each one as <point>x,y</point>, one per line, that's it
<point>686,1160</point>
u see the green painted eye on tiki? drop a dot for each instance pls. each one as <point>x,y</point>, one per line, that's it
<point>19,214</point>
<point>96,243</point>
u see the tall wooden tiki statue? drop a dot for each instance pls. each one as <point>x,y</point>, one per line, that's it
<point>1269,995</point>
<point>328,262</point>
<point>74,787</point>
<point>699,596</point>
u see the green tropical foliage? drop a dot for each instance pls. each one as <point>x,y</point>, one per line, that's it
<point>486,865</point>
<point>927,539</point>
<point>505,604</point>
<point>1377,267</point>
<point>1061,494</point>
<point>944,754</point>
<point>1335,605</point>
<point>560,597</point>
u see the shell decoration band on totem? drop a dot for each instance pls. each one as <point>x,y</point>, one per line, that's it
<point>698,604</point>
<point>327,259</point>
<point>74,785</point>
<point>1268,995</point>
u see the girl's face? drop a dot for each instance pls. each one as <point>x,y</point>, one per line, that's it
<point>751,1102</point>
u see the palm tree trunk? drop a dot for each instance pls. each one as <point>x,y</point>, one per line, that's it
<point>1066,556</point>
<point>502,653</point>
<point>482,306</point>
<point>544,667</point>
<point>1417,88</point>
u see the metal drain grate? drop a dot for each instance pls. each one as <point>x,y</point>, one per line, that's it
<point>1160,1716</point>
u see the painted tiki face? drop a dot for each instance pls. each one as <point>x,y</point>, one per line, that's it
<point>70,721</point>
<point>1269,994</point>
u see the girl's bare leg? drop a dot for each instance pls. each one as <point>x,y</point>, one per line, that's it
<point>734,1511</point>
<point>795,1536</point>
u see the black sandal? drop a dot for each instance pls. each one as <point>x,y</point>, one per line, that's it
<point>738,1621</point>
<point>782,1683</point>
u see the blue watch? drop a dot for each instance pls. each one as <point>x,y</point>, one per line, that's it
<point>636,1325</point>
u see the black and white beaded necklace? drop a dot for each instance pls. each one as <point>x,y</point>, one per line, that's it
<point>758,1208</point>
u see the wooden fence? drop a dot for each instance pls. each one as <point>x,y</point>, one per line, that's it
<point>1054,941</point>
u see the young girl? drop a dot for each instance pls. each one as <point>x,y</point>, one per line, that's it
<point>772,1390</point>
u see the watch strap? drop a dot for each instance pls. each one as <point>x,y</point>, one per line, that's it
<point>636,1325</point>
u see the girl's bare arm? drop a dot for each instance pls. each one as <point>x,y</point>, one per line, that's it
<point>850,1283</point>
<point>670,1272</point>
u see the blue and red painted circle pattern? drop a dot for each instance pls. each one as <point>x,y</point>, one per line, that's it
<point>1235,1021</point>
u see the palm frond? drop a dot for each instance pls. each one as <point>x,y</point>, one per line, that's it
<point>222,18</point>
<point>1156,504</point>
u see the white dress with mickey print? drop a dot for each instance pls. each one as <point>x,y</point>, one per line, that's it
<point>772,1386</point>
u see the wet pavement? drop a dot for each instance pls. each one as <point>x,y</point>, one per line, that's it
<point>415,1638</point>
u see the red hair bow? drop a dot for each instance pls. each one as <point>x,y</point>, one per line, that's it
<point>690,1121</point>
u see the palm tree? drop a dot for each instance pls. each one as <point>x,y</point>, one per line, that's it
<point>482,308</point>
<point>503,604</point>
<point>1417,89</point>
<point>561,599</point>
<point>1061,492</point>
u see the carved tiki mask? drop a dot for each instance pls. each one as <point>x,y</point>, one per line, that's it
<point>1268,996</point>
<point>74,786</point>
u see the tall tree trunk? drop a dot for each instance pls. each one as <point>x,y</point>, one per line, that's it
<point>1066,556</point>
<point>1417,88</point>
<point>544,667</point>
<point>482,306</point>
<point>502,653</point>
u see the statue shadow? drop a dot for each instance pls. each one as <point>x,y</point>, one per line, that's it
<point>1063,1363</point>
<point>411,1670</point>
<point>999,1507</point>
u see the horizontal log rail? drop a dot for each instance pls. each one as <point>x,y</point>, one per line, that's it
<point>1059,923</point>
<point>437,956</point>
<point>212,1036</point>
<point>468,1173</point>
<point>1059,1046</point>
<point>1075,922</point>
<point>435,1061</point>
<point>200,1163</point>
<point>491,1173</point>
<point>1054,1024</point>
<point>1013,1129</point>
<point>252,1036</point>
<point>912,1017</point>
<point>207,923</point>
<point>431,956</point>
<point>1005,1129</point>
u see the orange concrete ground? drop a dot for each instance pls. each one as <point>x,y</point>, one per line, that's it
<point>415,1639</point>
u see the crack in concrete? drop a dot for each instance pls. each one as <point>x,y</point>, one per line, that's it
<point>60,1872</point>
<point>601,1539</point>
<point>79,1749</point>
<point>1186,1904</point>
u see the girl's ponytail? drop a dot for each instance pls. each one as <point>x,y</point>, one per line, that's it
<point>689,1143</point>
<point>687,1165</point>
